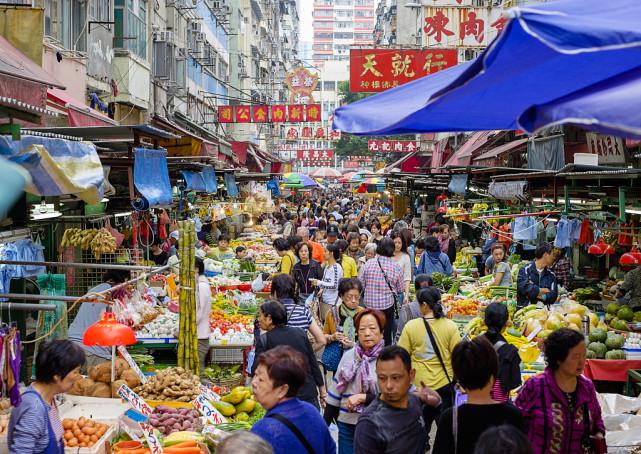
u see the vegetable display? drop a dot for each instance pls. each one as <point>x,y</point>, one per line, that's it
<point>187,337</point>
<point>240,407</point>
<point>82,433</point>
<point>169,420</point>
<point>99,383</point>
<point>172,384</point>
<point>217,372</point>
<point>165,325</point>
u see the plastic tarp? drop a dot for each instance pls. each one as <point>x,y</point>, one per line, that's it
<point>549,54</point>
<point>508,190</point>
<point>13,179</point>
<point>151,178</point>
<point>57,166</point>
<point>546,153</point>
<point>458,184</point>
<point>230,183</point>
<point>194,180</point>
<point>209,177</point>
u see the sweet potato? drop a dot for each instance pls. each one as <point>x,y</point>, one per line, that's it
<point>130,377</point>
<point>82,387</point>
<point>121,366</point>
<point>101,390</point>
<point>101,372</point>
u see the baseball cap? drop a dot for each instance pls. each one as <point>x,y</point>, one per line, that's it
<point>174,234</point>
<point>332,230</point>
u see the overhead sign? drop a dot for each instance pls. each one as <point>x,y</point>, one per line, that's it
<point>311,133</point>
<point>316,158</point>
<point>454,27</point>
<point>375,70</point>
<point>277,113</point>
<point>609,148</point>
<point>301,83</point>
<point>392,146</point>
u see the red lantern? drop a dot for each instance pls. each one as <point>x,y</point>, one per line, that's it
<point>600,248</point>
<point>628,259</point>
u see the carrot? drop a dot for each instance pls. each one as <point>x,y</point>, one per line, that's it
<point>188,450</point>
<point>183,444</point>
<point>135,451</point>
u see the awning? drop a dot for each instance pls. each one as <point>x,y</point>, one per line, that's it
<point>13,179</point>
<point>16,64</point>
<point>437,156</point>
<point>78,113</point>
<point>498,151</point>
<point>240,149</point>
<point>396,166</point>
<point>204,181</point>
<point>58,166</point>
<point>463,156</point>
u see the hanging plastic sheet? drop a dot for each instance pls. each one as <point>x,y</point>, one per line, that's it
<point>151,178</point>
<point>57,166</point>
<point>13,179</point>
<point>546,153</point>
<point>230,182</point>
<point>209,177</point>
<point>274,187</point>
<point>508,190</point>
<point>194,180</point>
<point>458,184</point>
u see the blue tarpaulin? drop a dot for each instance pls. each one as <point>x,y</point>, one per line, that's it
<point>274,187</point>
<point>209,177</point>
<point>546,54</point>
<point>194,180</point>
<point>151,178</point>
<point>57,166</point>
<point>230,183</point>
<point>13,179</point>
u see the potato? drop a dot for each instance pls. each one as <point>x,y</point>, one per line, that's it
<point>82,387</point>
<point>101,390</point>
<point>121,366</point>
<point>101,372</point>
<point>130,377</point>
<point>115,386</point>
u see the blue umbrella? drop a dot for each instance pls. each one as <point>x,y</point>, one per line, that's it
<point>13,179</point>
<point>546,52</point>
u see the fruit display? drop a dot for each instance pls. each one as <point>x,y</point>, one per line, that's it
<point>224,282</point>
<point>169,420</point>
<point>568,315</point>
<point>99,383</point>
<point>78,237</point>
<point>230,328</point>
<point>163,326</point>
<point>618,316</point>
<point>458,305</point>
<point>82,433</point>
<point>172,384</point>
<point>103,243</point>
<point>605,345</point>
<point>239,406</point>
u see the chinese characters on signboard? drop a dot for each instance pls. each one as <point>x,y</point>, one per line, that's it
<point>301,83</point>
<point>461,27</point>
<point>316,158</point>
<point>392,146</point>
<point>609,148</point>
<point>358,161</point>
<point>374,70</point>
<point>294,113</point>
<point>311,132</point>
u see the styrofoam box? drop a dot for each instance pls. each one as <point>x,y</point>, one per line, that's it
<point>586,159</point>
<point>102,446</point>
<point>632,353</point>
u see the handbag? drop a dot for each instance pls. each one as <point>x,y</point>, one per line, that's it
<point>591,445</point>
<point>397,304</point>
<point>332,355</point>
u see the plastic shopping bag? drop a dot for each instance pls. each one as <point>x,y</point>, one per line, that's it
<point>258,284</point>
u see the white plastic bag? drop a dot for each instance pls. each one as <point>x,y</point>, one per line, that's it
<point>258,284</point>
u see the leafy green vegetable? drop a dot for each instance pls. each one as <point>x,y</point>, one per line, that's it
<point>514,259</point>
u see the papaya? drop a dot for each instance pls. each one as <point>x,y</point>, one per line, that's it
<point>225,408</point>
<point>246,406</point>
<point>242,416</point>
<point>236,396</point>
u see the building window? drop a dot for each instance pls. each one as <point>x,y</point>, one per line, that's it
<point>329,85</point>
<point>131,26</point>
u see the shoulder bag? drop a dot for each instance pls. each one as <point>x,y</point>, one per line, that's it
<point>439,356</point>
<point>394,294</point>
<point>591,444</point>
<point>297,433</point>
<point>334,350</point>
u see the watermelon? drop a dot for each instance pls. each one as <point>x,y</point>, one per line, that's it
<point>615,354</point>
<point>589,354</point>
<point>598,348</point>
<point>625,313</point>
<point>615,342</point>
<point>598,335</point>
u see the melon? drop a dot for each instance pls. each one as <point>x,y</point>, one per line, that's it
<point>543,334</point>
<point>615,354</point>
<point>625,313</point>
<point>615,342</point>
<point>575,319</point>
<point>589,354</point>
<point>576,308</point>
<point>598,348</point>
<point>594,320</point>
<point>621,325</point>
<point>554,323</point>
<point>637,317</point>
<point>612,308</point>
<point>598,335</point>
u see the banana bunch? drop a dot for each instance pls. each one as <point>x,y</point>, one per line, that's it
<point>103,242</point>
<point>517,341</point>
<point>475,327</point>
<point>78,237</point>
<point>523,314</point>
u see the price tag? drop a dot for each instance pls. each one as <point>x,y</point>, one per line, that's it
<point>534,333</point>
<point>206,409</point>
<point>152,440</point>
<point>135,400</point>
<point>125,354</point>
<point>208,393</point>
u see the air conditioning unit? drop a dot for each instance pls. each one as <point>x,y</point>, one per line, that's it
<point>164,36</point>
<point>197,48</point>
<point>196,26</point>
<point>200,37</point>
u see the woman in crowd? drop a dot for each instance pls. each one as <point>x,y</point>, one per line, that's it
<point>560,407</point>
<point>287,259</point>
<point>500,268</point>
<point>298,316</point>
<point>377,232</point>
<point>433,260</point>
<point>370,253</point>
<point>347,263</point>
<point>509,374</point>
<point>203,311</point>
<point>404,261</point>
<point>355,378</point>
<point>475,366</point>
<point>290,425</point>
<point>447,243</point>
<point>34,425</point>
<point>364,239</point>
<point>305,270</point>
<point>243,442</point>
<point>332,275</point>
<point>272,318</point>
<point>430,341</point>
<point>339,322</point>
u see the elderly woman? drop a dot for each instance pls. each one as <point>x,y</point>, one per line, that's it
<point>370,253</point>
<point>272,318</point>
<point>35,426</point>
<point>355,378</point>
<point>290,425</point>
<point>560,406</point>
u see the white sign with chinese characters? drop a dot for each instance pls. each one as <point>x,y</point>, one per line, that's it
<point>610,149</point>
<point>460,27</point>
<point>206,409</point>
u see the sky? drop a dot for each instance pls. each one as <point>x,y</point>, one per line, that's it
<point>305,14</point>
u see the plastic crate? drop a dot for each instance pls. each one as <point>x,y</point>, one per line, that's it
<point>226,355</point>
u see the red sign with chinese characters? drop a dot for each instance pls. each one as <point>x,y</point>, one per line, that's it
<point>242,114</point>
<point>260,114</point>
<point>374,70</point>
<point>225,114</point>
<point>313,112</point>
<point>311,132</point>
<point>316,158</point>
<point>392,146</point>
<point>461,27</point>
<point>295,112</point>
<point>279,113</point>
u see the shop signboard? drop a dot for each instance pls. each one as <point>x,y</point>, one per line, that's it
<point>281,113</point>
<point>376,70</point>
<point>455,27</point>
<point>392,146</point>
<point>610,149</point>
<point>316,158</point>
<point>301,83</point>
<point>311,131</point>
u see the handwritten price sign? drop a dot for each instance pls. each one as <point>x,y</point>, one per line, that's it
<point>207,410</point>
<point>152,440</point>
<point>208,393</point>
<point>135,400</point>
<point>125,354</point>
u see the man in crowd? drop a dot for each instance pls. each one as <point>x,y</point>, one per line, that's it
<point>332,233</point>
<point>536,282</point>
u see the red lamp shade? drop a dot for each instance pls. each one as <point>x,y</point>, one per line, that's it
<point>608,249</point>
<point>601,248</point>
<point>635,253</point>
<point>595,249</point>
<point>108,332</point>
<point>628,259</point>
